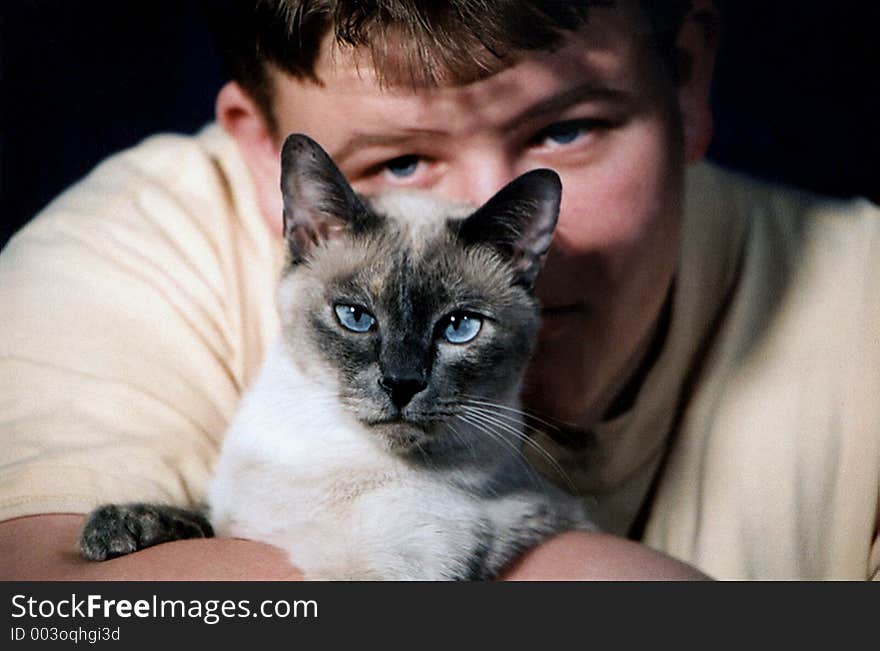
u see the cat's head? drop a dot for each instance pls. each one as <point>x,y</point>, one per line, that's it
<point>418,315</point>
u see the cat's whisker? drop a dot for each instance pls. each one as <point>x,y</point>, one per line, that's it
<point>484,426</point>
<point>509,427</point>
<point>513,419</point>
<point>544,419</point>
<point>476,400</point>
<point>472,419</point>
<point>458,436</point>
<point>424,454</point>
<point>475,453</point>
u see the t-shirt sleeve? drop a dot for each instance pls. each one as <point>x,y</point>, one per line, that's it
<point>119,356</point>
<point>874,561</point>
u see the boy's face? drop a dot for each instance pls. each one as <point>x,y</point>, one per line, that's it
<point>602,111</point>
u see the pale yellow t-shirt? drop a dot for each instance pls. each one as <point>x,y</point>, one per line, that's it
<point>138,305</point>
<point>133,311</point>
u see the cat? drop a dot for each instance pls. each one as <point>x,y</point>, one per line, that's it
<point>382,438</point>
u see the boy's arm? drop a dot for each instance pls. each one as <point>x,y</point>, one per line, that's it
<point>43,548</point>
<point>590,556</point>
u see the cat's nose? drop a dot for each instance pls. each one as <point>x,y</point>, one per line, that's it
<point>401,389</point>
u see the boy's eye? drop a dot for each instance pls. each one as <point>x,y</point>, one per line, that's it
<point>403,166</point>
<point>563,133</point>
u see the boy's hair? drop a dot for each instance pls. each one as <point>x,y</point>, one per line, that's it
<point>420,42</point>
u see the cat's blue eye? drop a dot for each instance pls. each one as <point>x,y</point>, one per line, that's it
<point>354,318</point>
<point>403,166</point>
<point>461,328</point>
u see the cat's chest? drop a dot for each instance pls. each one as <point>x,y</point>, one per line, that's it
<point>348,487</point>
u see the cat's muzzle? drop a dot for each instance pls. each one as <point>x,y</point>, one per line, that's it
<point>400,436</point>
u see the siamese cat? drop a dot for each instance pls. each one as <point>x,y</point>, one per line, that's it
<point>382,437</point>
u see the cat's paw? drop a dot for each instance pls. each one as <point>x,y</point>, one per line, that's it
<point>524,520</point>
<point>115,530</point>
<point>575,515</point>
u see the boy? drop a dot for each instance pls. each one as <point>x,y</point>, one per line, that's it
<point>709,344</point>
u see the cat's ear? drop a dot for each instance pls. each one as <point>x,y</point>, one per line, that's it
<point>518,222</point>
<point>318,201</point>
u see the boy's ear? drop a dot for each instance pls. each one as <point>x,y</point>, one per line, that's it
<point>696,47</point>
<point>241,118</point>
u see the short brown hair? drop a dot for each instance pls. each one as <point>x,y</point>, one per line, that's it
<point>425,42</point>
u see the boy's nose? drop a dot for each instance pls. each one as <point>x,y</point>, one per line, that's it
<point>481,177</point>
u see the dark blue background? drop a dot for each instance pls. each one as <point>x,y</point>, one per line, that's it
<point>797,94</point>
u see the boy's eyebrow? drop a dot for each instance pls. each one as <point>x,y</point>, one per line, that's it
<point>558,103</point>
<point>360,140</point>
<point>551,105</point>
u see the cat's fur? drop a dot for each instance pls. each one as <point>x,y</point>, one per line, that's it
<point>391,453</point>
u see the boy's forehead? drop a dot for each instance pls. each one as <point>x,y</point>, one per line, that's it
<point>604,57</point>
<point>611,29</point>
